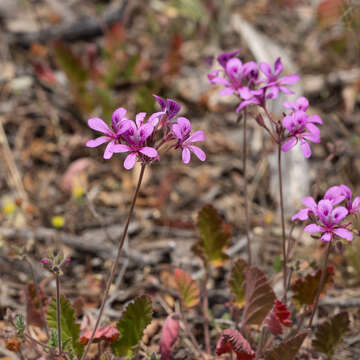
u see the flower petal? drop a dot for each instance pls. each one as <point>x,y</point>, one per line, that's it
<point>186,155</point>
<point>278,67</point>
<point>289,79</point>
<point>327,236</point>
<point>161,101</point>
<point>266,69</point>
<point>313,228</point>
<point>198,152</point>
<point>172,108</point>
<point>108,153</point>
<point>344,233</point>
<point>148,151</point>
<point>98,141</point>
<point>315,119</point>
<point>226,91</point>
<point>339,214</point>
<point>302,215</point>
<point>99,125</point>
<point>196,136</point>
<point>305,148</point>
<point>139,119</point>
<point>118,115</point>
<point>121,148</point>
<point>289,144</point>
<point>130,161</point>
<point>309,202</point>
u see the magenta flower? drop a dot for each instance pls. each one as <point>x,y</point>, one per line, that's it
<point>251,97</point>
<point>168,106</point>
<point>301,129</point>
<point>118,126</point>
<point>135,137</point>
<point>329,219</point>
<point>302,103</point>
<point>352,206</point>
<point>182,130</point>
<point>273,82</point>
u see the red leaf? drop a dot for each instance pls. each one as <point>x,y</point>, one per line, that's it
<point>169,335</point>
<point>232,340</point>
<point>187,287</point>
<point>106,333</point>
<point>279,315</point>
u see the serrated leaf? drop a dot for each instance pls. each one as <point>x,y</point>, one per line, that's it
<point>237,282</point>
<point>279,316</point>
<point>214,236</point>
<point>330,334</point>
<point>288,349</point>
<point>259,297</point>
<point>305,289</point>
<point>187,288</point>
<point>70,330</point>
<point>231,340</point>
<point>135,318</point>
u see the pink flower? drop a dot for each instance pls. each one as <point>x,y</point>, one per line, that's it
<point>352,206</point>
<point>182,130</point>
<point>135,137</point>
<point>301,129</point>
<point>329,219</point>
<point>119,125</point>
<point>168,106</point>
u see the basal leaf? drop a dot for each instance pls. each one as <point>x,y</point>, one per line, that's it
<point>70,330</point>
<point>330,334</point>
<point>237,282</point>
<point>169,335</point>
<point>107,334</point>
<point>288,349</point>
<point>214,236</point>
<point>187,287</point>
<point>305,289</point>
<point>135,318</point>
<point>259,297</point>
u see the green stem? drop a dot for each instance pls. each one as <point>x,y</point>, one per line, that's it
<point>58,311</point>
<point>116,261</point>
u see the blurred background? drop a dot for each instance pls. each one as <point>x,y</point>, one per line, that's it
<point>64,61</point>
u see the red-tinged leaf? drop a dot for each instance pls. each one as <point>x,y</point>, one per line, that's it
<point>169,335</point>
<point>44,73</point>
<point>105,333</point>
<point>259,297</point>
<point>288,349</point>
<point>237,282</point>
<point>305,289</point>
<point>231,340</point>
<point>278,316</point>
<point>187,288</point>
<point>330,11</point>
<point>214,236</point>
<point>33,312</point>
<point>114,37</point>
<point>330,334</point>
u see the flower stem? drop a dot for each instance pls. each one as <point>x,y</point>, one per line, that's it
<point>115,263</point>
<point>58,311</point>
<point>282,223</point>
<point>321,283</point>
<point>246,200</point>
<point>205,307</point>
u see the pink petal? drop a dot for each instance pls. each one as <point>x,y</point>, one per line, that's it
<point>186,155</point>
<point>108,150</point>
<point>118,114</point>
<point>289,144</point>
<point>184,122</point>
<point>315,119</point>
<point>309,202</point>
<point>146,130</point>
<point>344,234</point>
<point>278,67</point>
<point>172,108</point>
<point>196,136</point>
<point>305,148</point>
<point>99,125</point>
<point>176,129</point>
<point>339,214</point>
<point>266,69</point>
<point>313,228</point>
<point>98,141</point>
<point>155,118</point>
<point>130,161</point>
<point>140,118</point>
<point>149,151</point>
<point>226,91</point>
<point>198,152</point>
<point>327,236</point>
<point>289,79</point>
<point>121,148</point>
<point>301,215</point>
<point>161,102</point>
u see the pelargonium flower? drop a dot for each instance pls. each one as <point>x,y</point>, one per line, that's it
<point>273,82</point>
<point>352,206</point>
<point>333,194</point>
<point>251,97</point>
<point>168,106</point>
<point>119,125</point>
<point>302,103</point>
<point>301,129</point>
<point>182,130</point>
<point>329,220</point>
<point>135,137</point>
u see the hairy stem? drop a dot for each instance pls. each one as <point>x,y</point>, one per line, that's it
<point>321,283</point>
<point>58,311</point>
<point>282,223</point>
<point>246,198</point>
<point>115,263</point>
<point>205,307</point>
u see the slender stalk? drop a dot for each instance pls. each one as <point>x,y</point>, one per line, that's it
<point>38,296</point>
<point>205,307</point>
<point>321,283</point>
<point>115,263</point>
<point>282,222</point>
<point>247,220</point>
<point>261,344</point>
<point>58,311</point>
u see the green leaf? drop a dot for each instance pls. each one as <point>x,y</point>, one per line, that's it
<point>330,334</point>
<point>259,297</point>
<point>214,236</point>
<point>135,318</point>
<point>305,289</point>
<point>70,330</point>
<point>277,264</point>
<point>286,350</point>
<point>187,287</point>
<point>237,282</point>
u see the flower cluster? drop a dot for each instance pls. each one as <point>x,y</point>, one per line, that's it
<point>142,138</point>
<point>330,218</point>
<point>244,80</point>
